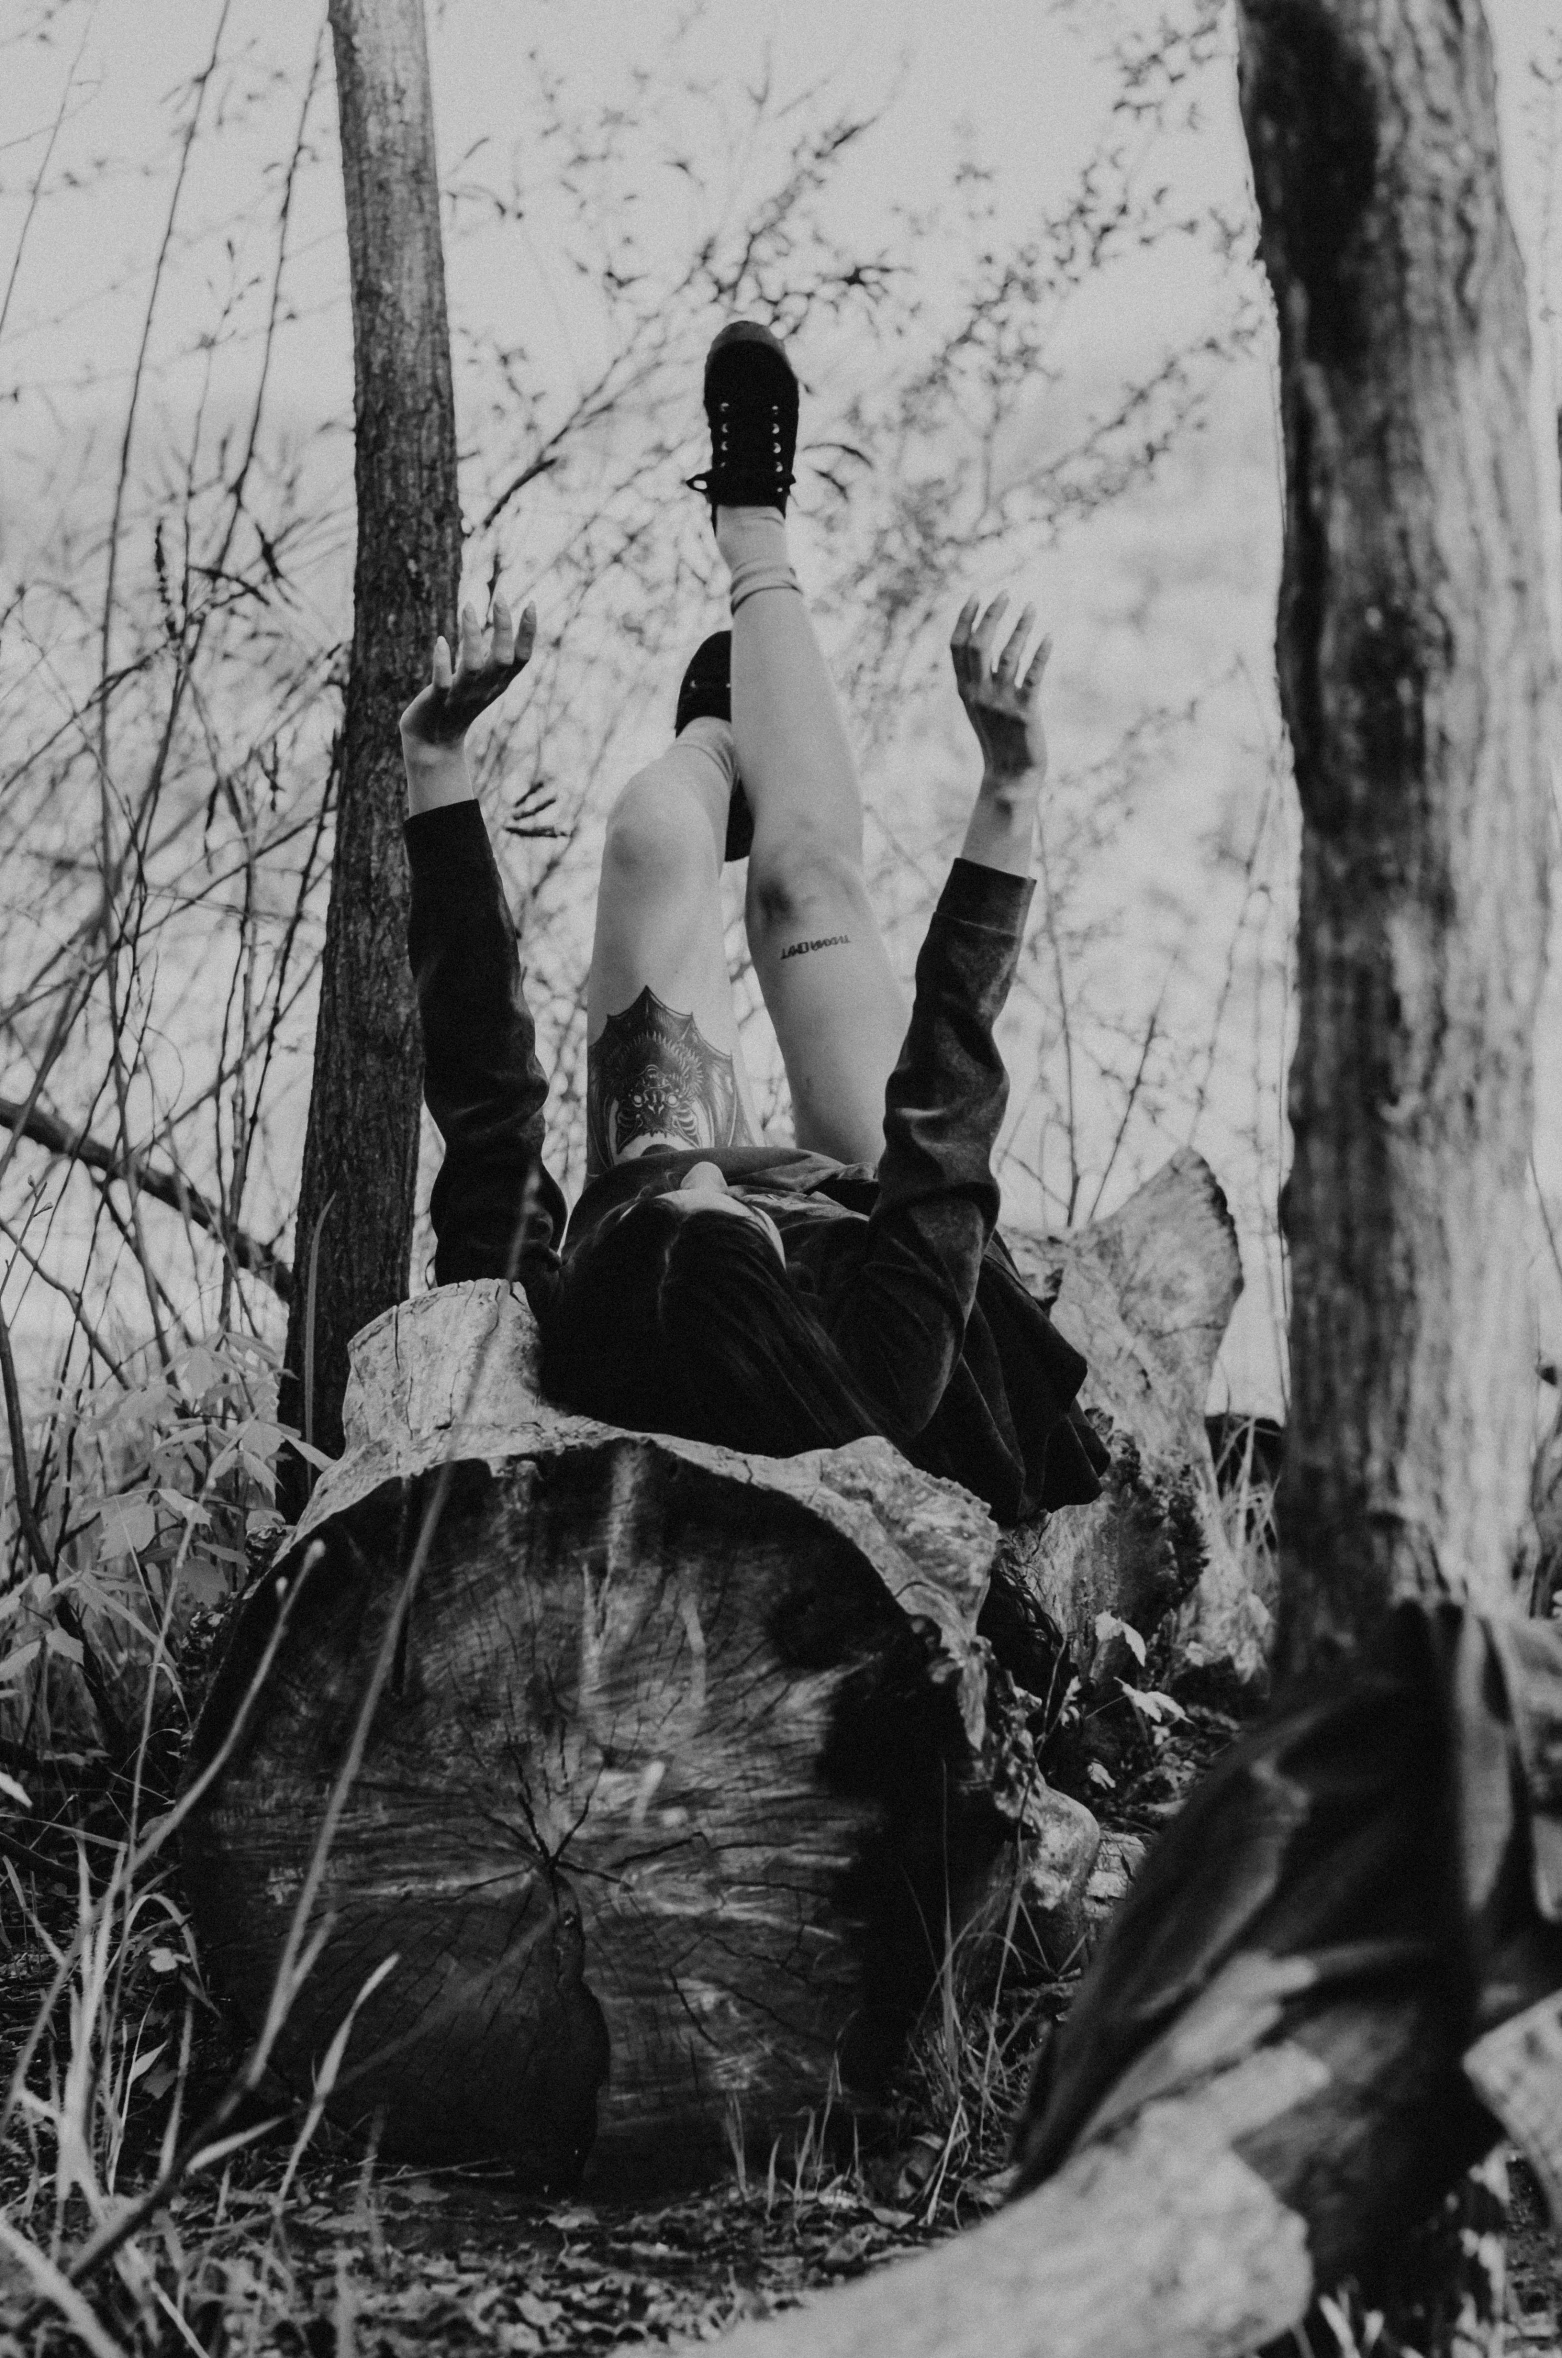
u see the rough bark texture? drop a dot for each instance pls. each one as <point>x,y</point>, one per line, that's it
<point>1146,1296</point>
<point>360,1150</point>
<point>1545,1498</point>
<point>1414,676</point>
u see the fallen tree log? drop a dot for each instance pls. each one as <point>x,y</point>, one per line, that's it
<point>676,1771</point>
<point>650,1808</point>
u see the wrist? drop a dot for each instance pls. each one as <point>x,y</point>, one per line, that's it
<point>1001,832</point>
<point>1016,788</point>
<point>436,774</point>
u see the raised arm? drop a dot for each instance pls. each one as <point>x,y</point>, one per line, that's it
<point>902,1325</point>
<point>496,1211</point>
<point>1003,706</point>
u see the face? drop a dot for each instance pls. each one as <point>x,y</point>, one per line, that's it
<point>703,1189</point>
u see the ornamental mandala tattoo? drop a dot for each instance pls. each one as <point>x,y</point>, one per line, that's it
<point>653,1074</point>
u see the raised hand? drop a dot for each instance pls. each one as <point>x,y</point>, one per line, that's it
<point>439,716</point>
<point>1002,703</point>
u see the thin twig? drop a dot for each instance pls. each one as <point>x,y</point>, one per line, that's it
<point>70,1293</point>
<point>1131,1100</point>
<point>1545,1215</point>
<point>43,169</point>
<point>1050,927</point>
<point>21,1479</point>
<point>139,371</point>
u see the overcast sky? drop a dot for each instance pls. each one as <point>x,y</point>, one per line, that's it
<point>1028,77</point>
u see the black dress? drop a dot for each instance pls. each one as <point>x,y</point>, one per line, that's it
<point>905,1266</point>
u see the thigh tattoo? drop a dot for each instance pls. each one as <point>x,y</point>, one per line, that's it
<point>653,1074</point>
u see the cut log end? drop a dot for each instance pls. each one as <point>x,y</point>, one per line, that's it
<point>659,1810</point>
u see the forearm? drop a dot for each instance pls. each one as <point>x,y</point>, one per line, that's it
<point>902,1325</point>
<point>1002,829</point>
<point>481,1078</point>
<point>437,775</point>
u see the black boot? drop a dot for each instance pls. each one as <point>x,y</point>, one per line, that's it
<point>751,407</point>
<point>706,687</point>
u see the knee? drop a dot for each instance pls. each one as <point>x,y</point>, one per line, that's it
<point>658,833</point>
<point>804,886</point>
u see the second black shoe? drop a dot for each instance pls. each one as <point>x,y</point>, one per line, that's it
<point>706,688</point>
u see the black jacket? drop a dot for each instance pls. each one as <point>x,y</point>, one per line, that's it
<point>909,1276</point>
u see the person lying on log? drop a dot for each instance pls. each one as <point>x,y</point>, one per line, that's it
<point>770,1298</point>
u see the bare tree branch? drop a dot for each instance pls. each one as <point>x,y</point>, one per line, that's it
<point>164,1186</point>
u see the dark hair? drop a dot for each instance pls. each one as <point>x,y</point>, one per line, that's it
<point>687,1322</point>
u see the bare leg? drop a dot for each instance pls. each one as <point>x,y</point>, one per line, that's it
<point>666,1069</point>
<point>839,1013</point>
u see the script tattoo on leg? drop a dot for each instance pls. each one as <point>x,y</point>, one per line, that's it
<point>825,941</point>
<point>653,1074</point>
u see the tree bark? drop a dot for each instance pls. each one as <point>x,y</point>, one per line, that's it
<point>361,1147</point>
<point>1415,681</point>
<point>1146,1296</point>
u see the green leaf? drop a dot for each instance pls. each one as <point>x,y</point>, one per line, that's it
<point>200,1371</point>
<point>1151,1703</point>
<point>1108,1625</point>
<point>127,1524</point>
<point>203,1580</point>
<point>144,2063</point>
<point>189,1510</point>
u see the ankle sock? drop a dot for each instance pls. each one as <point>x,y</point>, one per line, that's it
<point>753,542</point>
<point>714,738</point>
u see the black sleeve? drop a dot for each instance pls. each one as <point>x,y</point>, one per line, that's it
<point>901,1321</point>
<point>481,1079</point>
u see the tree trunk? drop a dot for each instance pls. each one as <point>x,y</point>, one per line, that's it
<point>361,1147</point>
<point>1414,676</point>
